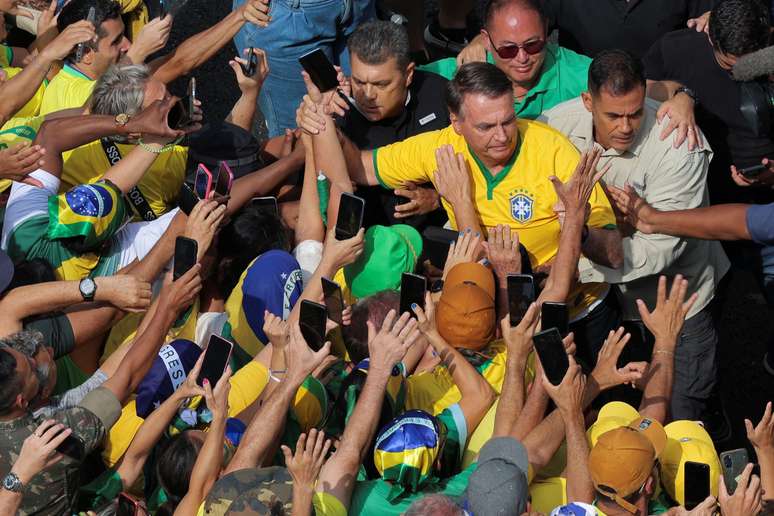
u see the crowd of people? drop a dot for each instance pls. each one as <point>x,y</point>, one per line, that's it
<point>571,181</point>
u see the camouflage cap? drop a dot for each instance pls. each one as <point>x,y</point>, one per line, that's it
<point>251,491</point>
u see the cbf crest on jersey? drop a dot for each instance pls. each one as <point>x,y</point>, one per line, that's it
<point>522,205</point>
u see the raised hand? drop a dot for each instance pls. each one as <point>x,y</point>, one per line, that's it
<point>568,395</point>
<point>574,195</point>
<point>180,294</point>
<point>299,356</point>
<point>64,43</point>
<point>421,200</point>
<point>277,330</point>
<point>389,345</point>
<point>634,209</point>
<point>152,121</point>
<point>217,398</point>
<point>464,250</point>
<point>257,12</point>
<point>18,161</point>
<point>502,251</point>
<point>189,388</point>
<point>666,320</point>
<point>452,179</point>
<point>606,373</point>
<point>250,85</point>
<point>518,339</point>
<point>339,253</point>
<point>747,499</point>
<point>305,464</point>
<point>682,121</point>
<point>38,451</point>
<point>203,222</point>
<point>761,436</point>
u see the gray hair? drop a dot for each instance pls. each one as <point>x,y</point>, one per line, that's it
<point>28,343</point>
<point>434,505</point>
<point>376,41</point>
<point>120,90</point>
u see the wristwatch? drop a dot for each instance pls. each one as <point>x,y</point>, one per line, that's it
<point>12,483</point>
<point>122,119</point>
<point>689,92</point>
<point>88,288</point>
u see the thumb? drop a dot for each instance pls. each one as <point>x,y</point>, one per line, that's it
<point>371,331</point>
<point>556,182</point>
<point>287,453</point>
<point>749,427</point>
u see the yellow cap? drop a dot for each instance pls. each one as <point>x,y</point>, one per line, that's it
<point>687,441</point>
<point>617,414</point>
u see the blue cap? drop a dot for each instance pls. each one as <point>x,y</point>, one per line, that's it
<point>168,371</point>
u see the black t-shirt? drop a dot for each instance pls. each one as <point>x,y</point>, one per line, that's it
<point>686,56</point>
<point>425,111</point>
<point>590,27</point>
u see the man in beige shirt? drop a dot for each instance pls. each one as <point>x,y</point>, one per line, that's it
<point>615,114</point>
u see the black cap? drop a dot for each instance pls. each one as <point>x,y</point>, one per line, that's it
<point>223,141</point>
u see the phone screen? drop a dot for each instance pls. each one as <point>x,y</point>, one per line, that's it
<point>733,462</point>
<point>334,300</point>
<point>266,204</point>
<point>555,315</point>
<point>350,218</point>
<point>252,63</point>
<point>521,293</point>
<point>191,96</point>
<point>696,479</point>
<point>187,199</point>
<point>186,250</point>
<point>126,506</point>
<point>753,171</point>
<point>215,360</point>
<point>553,357</point>
<point>312,322</point>
<point>225,179</point>
<point>437,241</point>
<point>179,116</point>
<point>203,182</point>
<point>412,290</point>
<point>320,70</point>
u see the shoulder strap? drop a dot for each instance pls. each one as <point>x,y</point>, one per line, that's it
<point>134,197</point>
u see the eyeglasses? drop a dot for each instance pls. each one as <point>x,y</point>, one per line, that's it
<point>512,50</point>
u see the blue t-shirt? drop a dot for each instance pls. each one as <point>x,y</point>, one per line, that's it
<point>760,223</point>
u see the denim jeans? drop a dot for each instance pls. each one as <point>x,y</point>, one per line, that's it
<point>297,27</point>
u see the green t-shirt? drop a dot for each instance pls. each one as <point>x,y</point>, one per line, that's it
<point>564,77</point>
<point>370,496</point>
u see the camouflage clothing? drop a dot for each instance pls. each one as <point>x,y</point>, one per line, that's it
<point>53,490</point>
<point>251,491</point>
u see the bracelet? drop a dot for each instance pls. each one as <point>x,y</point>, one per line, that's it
<point>165,148</point>
<point>663,352</point>
<point>689,92</point>
<point>278,371</point>
<point>273,378</point>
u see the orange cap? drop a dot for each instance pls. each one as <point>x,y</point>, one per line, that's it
<point>465,314</point>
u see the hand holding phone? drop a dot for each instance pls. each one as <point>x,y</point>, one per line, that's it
<point>187,199</point>
<point>203,182</point>
<point>191,98</point>
<point>350,217</point>
<point>753,171</point>
<point>555,315</point>
<point>216,359</point>
<point>266,204</point>
<point>186,251</point>
<point>553,357</point>
<point>436,244</point>
<point>312,320</point>
<point>225,180</point>
<point>320,70</point>
<point>251,67</point>
<point>733,463</point>
<point>412,291</point>
<point>696,483</point>
<point>521,294</point>
<point>334,300</point>
<point>81,47</point>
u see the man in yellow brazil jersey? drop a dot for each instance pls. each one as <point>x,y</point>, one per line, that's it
<point>492,168</point>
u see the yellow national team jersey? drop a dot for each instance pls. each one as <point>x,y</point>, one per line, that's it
<point>520,196</point>
<point>15,131</point>
<point>32,107</point>
<point>160,185</point>
<point>70,88</point>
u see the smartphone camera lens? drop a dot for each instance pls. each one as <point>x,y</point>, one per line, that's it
<point>727,461</point>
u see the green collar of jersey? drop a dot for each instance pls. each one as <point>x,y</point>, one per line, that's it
<point>548,80</point>
<point>71,70</point>
<point>493,180</point>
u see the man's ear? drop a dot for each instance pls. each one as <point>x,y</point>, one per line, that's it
<point>20,402</point>
<point>588,101</point>
<point>410,73</point>
<point>88,55</point>
<point>456,122</point>
<point>487,41</point>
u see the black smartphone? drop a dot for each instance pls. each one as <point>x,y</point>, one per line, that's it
<point>638,349</point>
<point>267,204</point>
<point>555,315</point>
<point>553,357</point>
<point>754,171</point>
<point>521,294</point>
<point>80,48</point>
<point>350,219</point>
<point>216,358</point>
<point>187,199</point>
<point>733,463</point>
<point>179,116</point>
<point>252,63</point>
<point>334,300</point>
<point>186,250</point>
<point>696,482</point>
<point>127,506</point>
<point>163,8</point>
<point>312,321</point>
<point>320,69</point>
<point>437,241</point>
<point>412,290</point>
<point>225,180</point>
<point>191,97</point>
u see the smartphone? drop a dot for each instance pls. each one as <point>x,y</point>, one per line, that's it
<point>252,63</point>
<point>203,182</point>
<point>334,300</point>
<point>555,315</point>
<point>320,70</point>
<point>186,250</point>
<point>521,294</point>
<point>350,219</point>
<point>312,321</point>
<point>225,179</point>
<point>216,359</point>
<point>437,241</point>
<point>163,8</point>
<point>733,463</point>
<point>412,290</point>
<point>191,98</point>
<point>696,479</point>
<point>754,171</point>
<point>81,47</point>
<point>267,204</point>
<point>179,116</point>
<point>553,357</point>
<point>127,506</point>
<point>187,199</point>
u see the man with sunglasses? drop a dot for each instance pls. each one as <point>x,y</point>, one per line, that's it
<point>543,74</point>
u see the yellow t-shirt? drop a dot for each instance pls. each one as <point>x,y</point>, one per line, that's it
<point>32,107</point>
<point>160,185</point>
<point>15,131</point>
<point>520,196</point>
<point>70,88</point>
